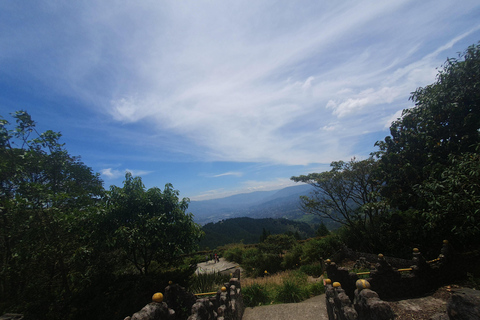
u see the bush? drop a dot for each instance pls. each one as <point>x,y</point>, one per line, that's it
<point>277,244</point>
<point>289,291</point>
<point>255,263</point>
<point>316,250</point>
<point>234,253</point>
<point>291,260</point>
<point>255,295</point>
<point>314,269</point>
<point>315,289</point>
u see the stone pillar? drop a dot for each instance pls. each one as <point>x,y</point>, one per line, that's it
<point>343,306</point>
<point>203,309</point>
<point>368,305</point>
<point>330,299</point>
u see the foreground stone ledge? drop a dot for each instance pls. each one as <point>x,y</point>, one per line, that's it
<point>464,304</point>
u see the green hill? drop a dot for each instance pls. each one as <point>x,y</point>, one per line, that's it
<point>248,230</point>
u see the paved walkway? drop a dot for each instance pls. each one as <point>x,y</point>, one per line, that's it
<point>221,266</point>
<point>311,309</point>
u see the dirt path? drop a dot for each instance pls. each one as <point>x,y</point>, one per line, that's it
<point>311,309</point>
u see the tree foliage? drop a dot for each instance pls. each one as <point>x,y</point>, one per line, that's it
<point>347,194</point>
<point>44,195</point>
<point>62,235</point>
<point>445,121</point>
<point>322,230</point>
<point>453,200</point>
<point>150,224</point>
<point>430,161</point>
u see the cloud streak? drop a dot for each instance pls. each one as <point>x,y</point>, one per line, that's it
<point>270,82</point>
<point>230,173</point>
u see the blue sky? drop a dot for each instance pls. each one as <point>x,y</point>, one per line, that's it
<point>222,97</point>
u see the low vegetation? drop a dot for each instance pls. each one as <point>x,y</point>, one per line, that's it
<point>284,287</point>
<point>207,282</point>
<point>283,252</point>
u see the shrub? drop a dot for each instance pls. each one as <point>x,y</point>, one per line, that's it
<point>255,295</point>
<point>277,244</point>
<point>255,263</point>
<point>315,288</point>
<point>291,260</point>
<point>314,269</point>
<point>316,249</point>
<point>290,291</point>
<point>234,253</point>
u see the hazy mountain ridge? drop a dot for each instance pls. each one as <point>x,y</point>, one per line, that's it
<point>283,203</point>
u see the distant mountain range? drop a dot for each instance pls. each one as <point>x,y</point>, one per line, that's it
<point>283,203</point>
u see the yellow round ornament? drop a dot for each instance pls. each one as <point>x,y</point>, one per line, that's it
<point>157,297</point>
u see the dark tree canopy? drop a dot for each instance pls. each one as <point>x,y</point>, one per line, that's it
<point>45,196</point>
<point>430,161</point>
<point>445,121</point>
<point>151,224</point>
<point>64,239</point>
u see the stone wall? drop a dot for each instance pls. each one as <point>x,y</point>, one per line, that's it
<point>366,305</point>
<point>390,282</point>
<point>226,305</point>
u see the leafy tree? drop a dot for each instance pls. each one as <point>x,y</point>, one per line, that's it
<point>347,194</point>
<point>277,244</point>
<point>45,197</point>
<point>264,235</point>
<point>453,201</point>
<point>445,121</point>
<point>429,162</point>
<point>296,235</point>
<point>322,230</point>
<point>150,224</point>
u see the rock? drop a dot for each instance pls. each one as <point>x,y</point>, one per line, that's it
<point>154,310</point>
<point>464,304</point>
<point>439,316</point>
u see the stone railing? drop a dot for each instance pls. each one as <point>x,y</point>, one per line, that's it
<point>366,305</point>
<point>389,282</point>
<point>226,305</point>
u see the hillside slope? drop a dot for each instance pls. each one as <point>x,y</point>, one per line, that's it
<point>248,230</point>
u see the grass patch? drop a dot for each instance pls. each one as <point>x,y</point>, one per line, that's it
<point>207,282</point>
<point>283,287</point>
<point>255,295</point>
<point>290,291</point>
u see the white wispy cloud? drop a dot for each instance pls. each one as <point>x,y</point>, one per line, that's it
<point>111,173</point>
<point>269,81</point>
<point>230,173</point>
<point>137,173</point>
